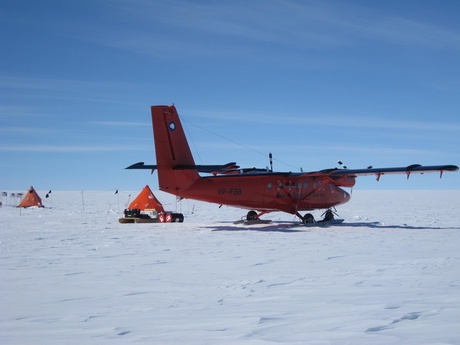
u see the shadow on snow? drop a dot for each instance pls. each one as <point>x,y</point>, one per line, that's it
<point>292,227</point>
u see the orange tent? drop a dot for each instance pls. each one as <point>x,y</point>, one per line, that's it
<point>31,199</point>
<point>146,200</point>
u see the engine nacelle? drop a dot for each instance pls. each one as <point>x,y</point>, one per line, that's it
<point>343,181</point>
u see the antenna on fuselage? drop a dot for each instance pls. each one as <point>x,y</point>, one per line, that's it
<point>343,166</point>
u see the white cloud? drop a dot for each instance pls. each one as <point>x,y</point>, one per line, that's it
<point>329,120</point>
<point>233,28</point>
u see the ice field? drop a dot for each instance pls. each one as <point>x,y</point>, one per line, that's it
<point>72,274</point>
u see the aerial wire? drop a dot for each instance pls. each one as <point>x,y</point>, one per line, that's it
<point>228,139</point>
<point>191,138</point>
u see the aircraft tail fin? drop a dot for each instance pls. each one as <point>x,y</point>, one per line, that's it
<point>172,151</point>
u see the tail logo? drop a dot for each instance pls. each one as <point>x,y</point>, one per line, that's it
<point>172,126</point>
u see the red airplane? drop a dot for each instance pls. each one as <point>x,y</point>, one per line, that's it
<point>259,190</point>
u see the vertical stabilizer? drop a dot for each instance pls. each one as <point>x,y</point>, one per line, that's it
<point>175,164</point>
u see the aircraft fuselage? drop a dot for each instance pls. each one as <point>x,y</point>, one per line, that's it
<point>266,192</point>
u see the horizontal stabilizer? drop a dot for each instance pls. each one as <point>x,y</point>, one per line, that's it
<point>211,169</point>
<point>141,165</point>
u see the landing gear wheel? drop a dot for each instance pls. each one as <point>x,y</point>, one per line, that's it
<point>252,215</point>
<point>308,219</point>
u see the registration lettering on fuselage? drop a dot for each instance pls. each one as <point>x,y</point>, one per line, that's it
<point>229,191</point>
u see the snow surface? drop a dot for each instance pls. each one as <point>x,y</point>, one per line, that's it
<point>72,274</point>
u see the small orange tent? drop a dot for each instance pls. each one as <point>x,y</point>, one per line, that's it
<point>31,199</point>
<point>146,201</point>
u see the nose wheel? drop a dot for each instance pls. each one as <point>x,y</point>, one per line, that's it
<point>309,219</point>
<point>252,215</point>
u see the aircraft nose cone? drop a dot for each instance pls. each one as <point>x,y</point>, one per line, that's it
<point>345,196</point>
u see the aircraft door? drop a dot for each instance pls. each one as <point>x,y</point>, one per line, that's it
<point>269,187</point>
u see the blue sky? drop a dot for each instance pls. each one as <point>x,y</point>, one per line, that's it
<point>314,82</point>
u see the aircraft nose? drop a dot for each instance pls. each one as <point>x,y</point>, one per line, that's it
<point>345,196</point>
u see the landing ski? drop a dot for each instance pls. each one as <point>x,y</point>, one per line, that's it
<point>252,221</point>
<point>324,223</point>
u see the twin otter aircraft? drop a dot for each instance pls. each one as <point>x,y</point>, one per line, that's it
<point>255,189</point>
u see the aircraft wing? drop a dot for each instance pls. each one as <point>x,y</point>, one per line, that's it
<point>232,168</point>
<point>411,169</point>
